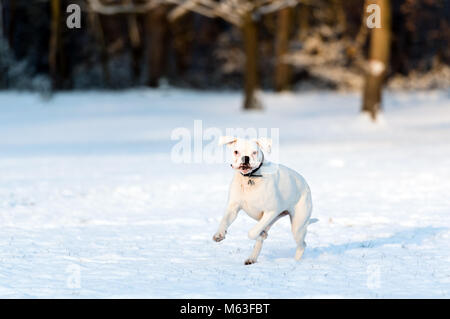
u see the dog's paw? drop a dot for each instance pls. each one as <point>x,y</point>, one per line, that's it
<point>250,261</point>
<point>219,237</point>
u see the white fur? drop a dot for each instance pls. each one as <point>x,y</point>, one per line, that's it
<point>280,191</point>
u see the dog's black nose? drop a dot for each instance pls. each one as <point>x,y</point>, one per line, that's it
<point>245,159</point>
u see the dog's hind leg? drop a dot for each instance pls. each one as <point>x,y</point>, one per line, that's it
<point>299,223</point>
<point>257,248</point>
<point>301,244</point>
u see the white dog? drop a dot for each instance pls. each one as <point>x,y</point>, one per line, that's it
<point>266,192</point>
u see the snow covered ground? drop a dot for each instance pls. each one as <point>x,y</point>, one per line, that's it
<point>91,204</point>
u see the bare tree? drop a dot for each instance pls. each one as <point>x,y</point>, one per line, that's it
<point>378,61</point>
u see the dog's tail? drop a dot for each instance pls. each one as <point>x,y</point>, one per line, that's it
<point>312,221</point>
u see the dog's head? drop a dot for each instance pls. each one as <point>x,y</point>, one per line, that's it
<point>247,155</point>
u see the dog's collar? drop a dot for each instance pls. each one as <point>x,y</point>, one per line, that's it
<point>252,173</point>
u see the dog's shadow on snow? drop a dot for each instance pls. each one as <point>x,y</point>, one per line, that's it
<point>405,237</point>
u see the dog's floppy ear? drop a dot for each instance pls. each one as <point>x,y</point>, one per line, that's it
<point>265,144</point>
<point>228,140</point>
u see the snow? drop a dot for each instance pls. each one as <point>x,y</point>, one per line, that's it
<point>91,204</point>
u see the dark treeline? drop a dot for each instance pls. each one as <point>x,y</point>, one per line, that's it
<point>319,43</point>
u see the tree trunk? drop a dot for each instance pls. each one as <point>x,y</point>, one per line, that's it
<point>181,35</point>
<point>55,42</point>
<point>378,61</point>
<point>97,28</point>
<point>282,70</point>
<point>135,41</point>
<point>2,34</point>
<point>341,19</point>
<point>303,17</point>
<point>250,35</point>
<point>11,22</point>
<point>157,28</point>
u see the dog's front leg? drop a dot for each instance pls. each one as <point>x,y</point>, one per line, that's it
<point>263,223</point>
<point>229,217</point>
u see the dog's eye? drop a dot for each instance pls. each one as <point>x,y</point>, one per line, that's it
<point>254,153</point>
<point>236,152</point>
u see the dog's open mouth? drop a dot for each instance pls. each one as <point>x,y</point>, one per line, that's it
<point>245,168</point>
